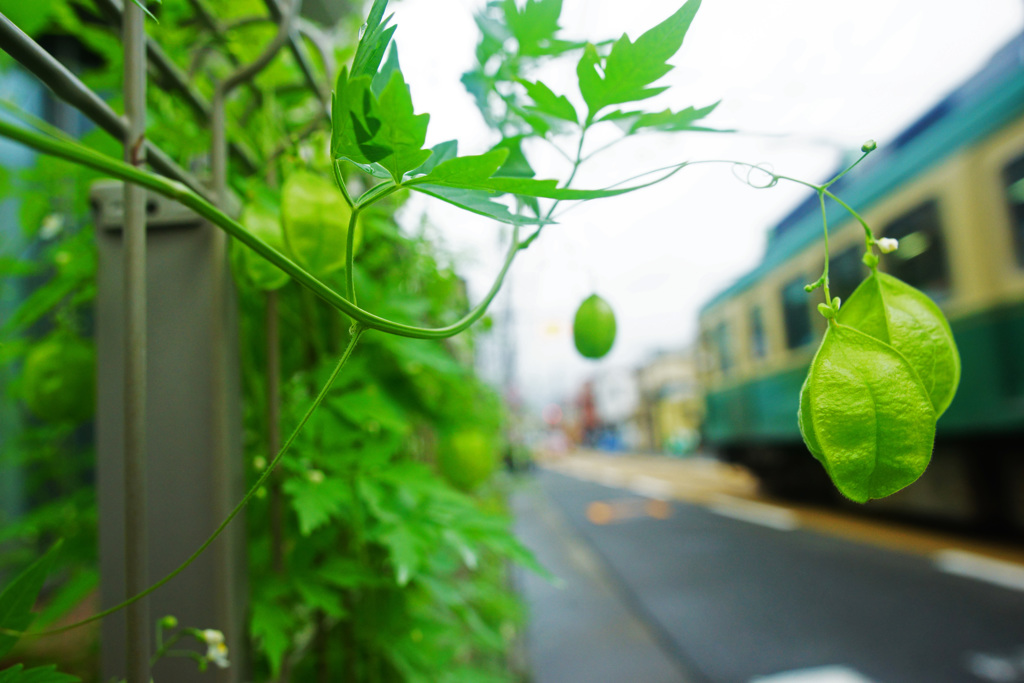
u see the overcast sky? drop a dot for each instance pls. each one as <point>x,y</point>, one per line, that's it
<point>806,81</point>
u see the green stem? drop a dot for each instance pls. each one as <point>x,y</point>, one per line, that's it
<point>867,229</point>
<point>350,250</point>
<point>182,194</point>
<point>357,332</point>
<point>824,274</point>
<point>340,180</point>
<point>847,170</point>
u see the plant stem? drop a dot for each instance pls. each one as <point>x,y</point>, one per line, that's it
<point>357,332</point>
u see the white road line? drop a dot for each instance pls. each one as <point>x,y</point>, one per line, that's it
<point>974,566</point>
<point>770,516</point>
<point>651,487</point>
<point>823,674</point>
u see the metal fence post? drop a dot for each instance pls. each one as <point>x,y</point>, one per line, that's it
<point>187,478</point>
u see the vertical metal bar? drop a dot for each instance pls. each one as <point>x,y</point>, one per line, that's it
<point>136,548</point>
<point>222,452</point>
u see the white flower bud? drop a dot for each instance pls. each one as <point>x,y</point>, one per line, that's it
<point>887,245</point>
<point>315,476</point>
<point>216,650</point>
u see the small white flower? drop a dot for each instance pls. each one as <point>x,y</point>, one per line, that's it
<point>51,226</point>
<point>887,245</point>
<point>315,476</point>
<point>216,650</point>
<point>212,636</point>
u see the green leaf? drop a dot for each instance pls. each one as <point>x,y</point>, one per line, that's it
<point>376,34</point>
<point>667,120</point>
<point>367,130</point>
<point>439,154</point>
<point>19,596</point>
<point>402,131</point>
<point>369,408</point>
<point>534,26</point>
<point>41,674</point>
<point>383,77</point>
<point>547,102</point>
<point>868,414</point>
<point>314,503</point>
<point>272,627</point>
<point>476,201</point>
<point>631,67</point>
<point>897,314</point>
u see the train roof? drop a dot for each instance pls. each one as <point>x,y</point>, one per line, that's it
<point>983,104</point>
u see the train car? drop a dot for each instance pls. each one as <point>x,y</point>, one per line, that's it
<point>951,189</point>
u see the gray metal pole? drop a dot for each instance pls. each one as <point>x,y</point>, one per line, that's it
<point>136,547</point>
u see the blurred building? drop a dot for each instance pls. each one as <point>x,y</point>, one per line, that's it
<point>670,409</point>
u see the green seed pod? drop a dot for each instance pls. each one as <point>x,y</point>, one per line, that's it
<point>316,218</point>
<point>267,226</point>
<point>865,415</point>
<point>593,329</point>
<point>870,260</point>
<point>895,313</point>
<point>869,146</point>
<point>59,379</point>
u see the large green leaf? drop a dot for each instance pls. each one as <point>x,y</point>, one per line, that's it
<point>632,67</point>
<point>893,312</point>
<point>385,130</point>
<point>865,411</point>
<point>19,596</point>
<point>479,173</point>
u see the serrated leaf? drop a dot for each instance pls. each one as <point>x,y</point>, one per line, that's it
<point>478,173</point>
<point>534,26</point>
<point>41,674</point>
<point>376,34</point>
<point>272,627</point>
<point>897,314</point>
<point>480,202</point>
<point>438,154</point>
<point>667,120</point>
<point>547,102</point>
<point>314,503</point>
<point>869,415</point>
<point>383,77</point>
<point>20,595</point>
<point>516,165</point>
<point>631,68</point>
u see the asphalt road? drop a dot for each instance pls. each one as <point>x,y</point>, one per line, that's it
<point>704,596</point>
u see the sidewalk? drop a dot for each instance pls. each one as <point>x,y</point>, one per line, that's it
<point>580,630</point>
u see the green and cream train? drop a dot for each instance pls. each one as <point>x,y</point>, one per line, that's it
<point>951,189</point>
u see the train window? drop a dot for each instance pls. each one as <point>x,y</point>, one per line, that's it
<point>921,259</point>
<point>720,344</point>
<point>758,342</point>
<point>845,271</point>
<point>1013,184</point>
<point>796,313</point>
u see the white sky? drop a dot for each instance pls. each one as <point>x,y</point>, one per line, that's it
<point>819,77</point>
